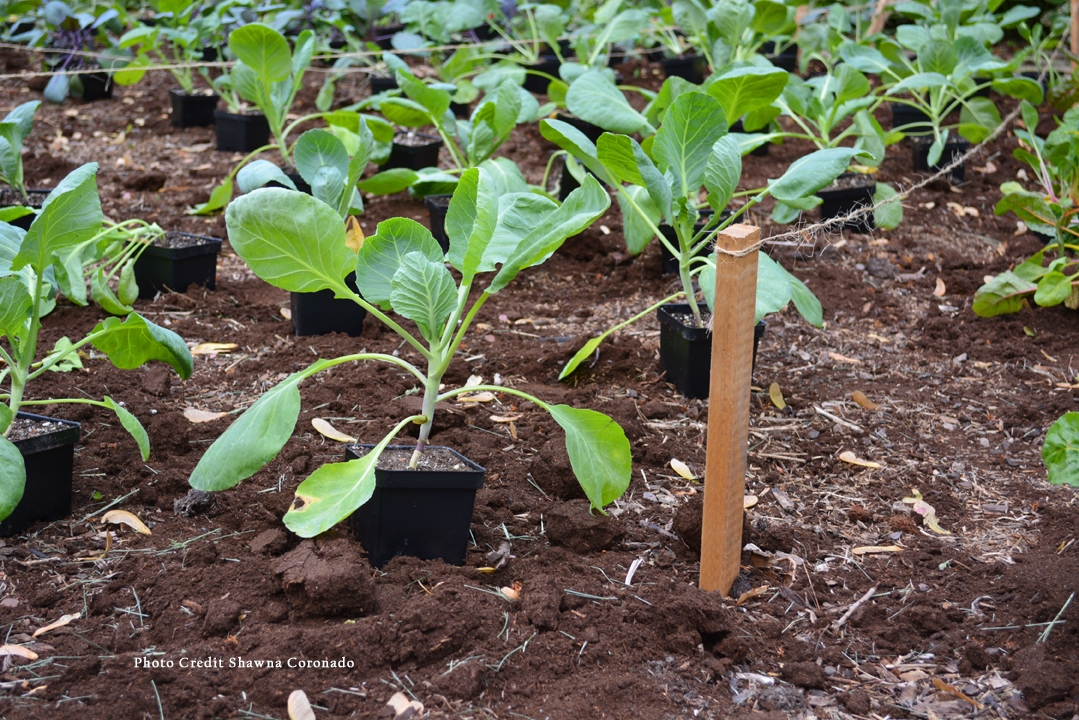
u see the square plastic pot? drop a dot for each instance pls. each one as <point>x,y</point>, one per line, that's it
<point>537,84</point>
<point>50,461</point>
<point>786,60</point>
<point>320,313</point>
<point>164,269</point>
<point>196,110</point>
<point>670,264</point>
<point>954,148</point>
<point>590,131</point>
<point>437,207</point>
<point>35,198</point>
<point>241,132</point>
<point>903,115</point>
<point>382,83</point>
<point>414,157</point>
<point>692,68</point>
<point>840,201</point>
<point>419,513</point>
<point>96,86</point>
<point>685,352</point>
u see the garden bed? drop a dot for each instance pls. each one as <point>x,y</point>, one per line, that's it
<point>963,406</point>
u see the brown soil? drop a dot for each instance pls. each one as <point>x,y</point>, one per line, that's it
<point>175,240</point>
<point>413,139</point>
<point>964,405</point>
<point>26,428</point>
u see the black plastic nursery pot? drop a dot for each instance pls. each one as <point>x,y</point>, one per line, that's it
<point>384,35</point>
<point>685,352</point>
<point>423,513</point>
<point>761,151</point>
<point>209,54</point>
<point>35,198</point>
<point>96,86</point>
<point>954,148</point>
<point>382,83</point>
<point>192,110</point>
<point>903,115</point>
<point>414,151</point>
<point>693,68</point>
<point>241,132</point>
<point>320,313</point>
<point>849,192</point>
<point>437,207</point>
<point>590,131</point>
<point>670,264</point>
<point>49,459</point>
<point>786,60</point>
<point>537,84</point>
<point>460,110</point>
<point>176,262</point>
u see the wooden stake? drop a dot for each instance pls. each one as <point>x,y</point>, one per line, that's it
<point>728,407</point>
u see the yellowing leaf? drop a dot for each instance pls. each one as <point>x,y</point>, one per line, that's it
<point>299,707</point>
<point>326,430</point>
<point>483,397</point>
<point>213,348</point>
<point>487,570</point>
<point>777,396</point>
<point>860,398</point>
<point>940,289</point>
<point>927,511</point>
<point>506,418</point>
<point>876,549</point>
<point>682,469</point>
<point>844,359</point>
<point>123,517</point>
<point>200,416</point>
<point>848,457</point>
<point>286,313</point>
<point>64,620</point>
<point>749,501</point>
<point>750,594</point>
<point>18,651</point>
<point>354,236</point>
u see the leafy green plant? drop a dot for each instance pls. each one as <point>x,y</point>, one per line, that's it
<point>1060,452</point>
<point>954,19</point>
<point>175,40</point>
<point>732,30</point>
<point>298,243</point>
<point>13,131</point>
<point>71,215</point>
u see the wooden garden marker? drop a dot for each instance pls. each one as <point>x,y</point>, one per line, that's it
<point>728,406</point>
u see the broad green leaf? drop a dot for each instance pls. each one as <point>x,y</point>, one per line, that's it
<point>260,173</point>
<point>745,89</point>
<point>599,453</point>
<point>405,112</point>
<point>317,149</point>
<point>262,49</point>
<point>773,286</point>
<point>470,222</point>
<point>1060,453</point>
<point>12,477</point>
<point>616,152</point>
<point>810,173</point>
<point>595,99</point>
<point>1002,295</point>
<point>289,239</point>
<point>333,492</point>
<point>424,292</point>
<point>806,302</point>
<point>1032,210</point>
<point>888,215</point>
<point>584,206</point>
<point>505,175</point>
<point>865,58</point>
<point>127,287</point>
<point>389,181</point>
<point>15,305</point>
<point>71,360</point>
<point>1020,87</point>
<point>870,138</point>
<point>220,196</point>
<point>1053,289</point>
<point>71,214</point>
<point>722,172</point>
<point>684,141</point>
<point>578,145</point>
<point>135,340</point>
<point>938,56</point>
<point>102,294</point>
<point>638,234</point>
<point>436,102</point>
<point>518,215</point>
<point>918,81</point>
<point>383,253</point>
<point>23,117</point>
<point>254,439</point>
<point>132,425</point>
<point>978,118</point>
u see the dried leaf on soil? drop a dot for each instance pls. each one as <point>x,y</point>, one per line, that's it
<point>213,348</point>
<point>123,517</point>
<point>749,501</point>
<point>876,549</point>
<point>844,359</point>
<point>200,416</point>
<point>64,620</point>
<point>682,469</point>
<point>927,511</point>
<point>299,707</point>
<point>18,651</point>
<point>777,396</point>
<point>403,708</point>
<point>860,398</point>
<point>940,289</point>
<point>326,430</point>
<point>483,397</point>
<point>506,418</point>
<point>945,687</point>
<point>286,313</point>
<point>750,594</point>
<point>848,457</point>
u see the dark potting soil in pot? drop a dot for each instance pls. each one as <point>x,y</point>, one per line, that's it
<point>24,428</point>
<point>413,139</point>
<point>435,459</point>
<point>34,198</point>
<point>174,240</point>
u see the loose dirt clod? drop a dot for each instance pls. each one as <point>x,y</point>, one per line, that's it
<point>326,579</point>
<point>194,503</point>
<point>571,525</point>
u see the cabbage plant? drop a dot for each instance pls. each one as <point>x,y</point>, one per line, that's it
<point>299,243</point>
<point>13,131</point>
<point>28,261</point>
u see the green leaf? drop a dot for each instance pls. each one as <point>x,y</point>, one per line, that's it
<point>616,152</point>
<point>470,222</point>
<point>102,294</point>
<point>135,340</point>
<point>1060,453</point>
<point>424,292</point>
<point>127,287</point>
<point>405,112</point>
<point>389,181</point>
<point>15,306</point>
<point>1002,295</point>
<point>254,439</point>
<point>684,141</point>
<point>773,286</point>
<point>333,492</point>
<point>1022,88</point>
<point>978,118</point>
<point>435,101</point>
<point>917,82</point>
<point>71,360</point>
<point>132,425</point>
<point>636,231</point>
<point>317,149</point>
<point>595,99</point>
<point>576,144</point>
<point>289,239</point>
<point>938,56</point>
<point>745,89</point>
<point>383,254</point>
<point>889,215</point>
<point>599,453</point>
<point>1053,289</point>
<point>518,214</point>
<point>264,50</point>
<point>722,172</point>
<point>220,196</point>
<point>810,173</point>
<point>584,206</point>
<point>806,302</point>
<point>71,214</point>
<point>12,477</point>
